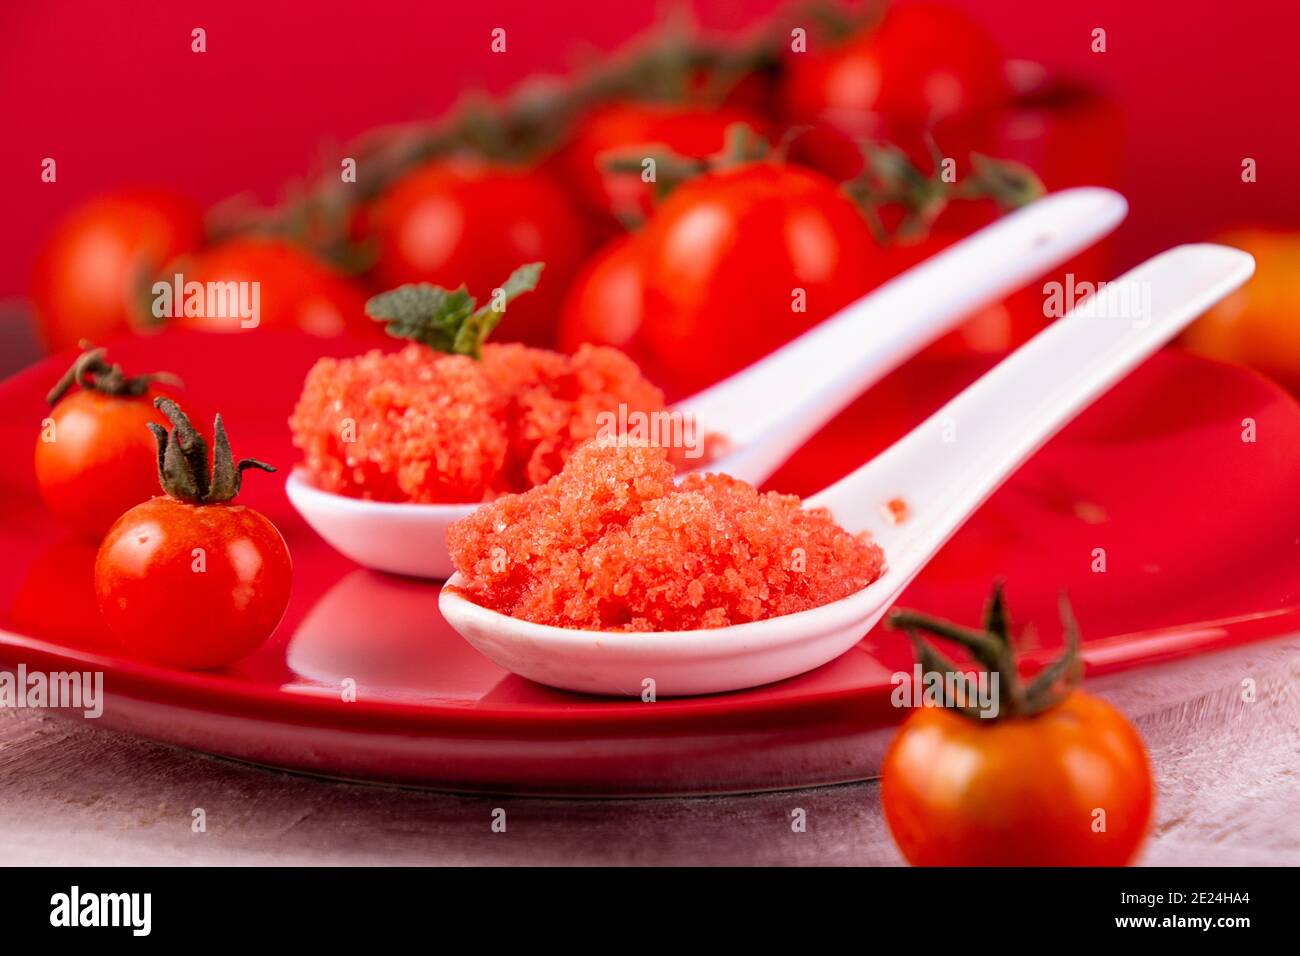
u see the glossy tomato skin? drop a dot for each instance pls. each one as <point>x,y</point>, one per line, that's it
<point>295,291</point>
<point>466,222</point>
<point>924,63</point>
<point>604,303</point>
<point>1018,791</point>
<point>731,257</point>
<point>92,275</point>
<point>96,458</point>
<point>925,70</point>
<point>689,131</point>
<point>192,586</point>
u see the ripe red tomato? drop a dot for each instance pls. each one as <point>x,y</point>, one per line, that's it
<point>457,222</point>
<point>95,458</point>
<point>604,304</point>
<point>924,63</point>
<point>924,71</point>
<point>190,579</point>
<point>99,460</point>
<point>738,262</point>
<point>691,132</point>
<point>295,290</point>
<point>192,585</point>
<point>92,275</point>
<point>1024,791</point>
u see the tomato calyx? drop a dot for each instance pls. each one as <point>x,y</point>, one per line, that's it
<point>741,144</point>
<point>183,468</point>
<point>93,372</point>
<point>834,23</point>
<point>891,178</point>
<point>448,321</point>
<point>993,648</point>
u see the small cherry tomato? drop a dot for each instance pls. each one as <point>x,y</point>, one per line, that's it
<point>738,262</point>
<point>465,222</point>
<point>619,129</point>
<point>922,64</point>
<point>189,579</point>
<point>1068,787</point>
<point>1049,777</point>
<point>295,290</point>
<point>94,455</point>
<point>93,274</point>
<point>604,304</point>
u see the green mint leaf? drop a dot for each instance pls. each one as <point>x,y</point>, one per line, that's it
<point>423,313</point>
<point>448,321</point>
<point>478,326</point>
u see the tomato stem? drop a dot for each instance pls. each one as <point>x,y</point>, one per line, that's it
<point>93,372</point>
<point>183,459</point>
<point>994,649</point>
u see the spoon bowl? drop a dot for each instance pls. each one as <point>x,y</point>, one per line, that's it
<point>943,470</point>
<point>398,537</point>
<point>668,663</point>
<point>768,410</point>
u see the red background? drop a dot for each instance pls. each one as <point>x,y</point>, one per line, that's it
<point>113,93</point>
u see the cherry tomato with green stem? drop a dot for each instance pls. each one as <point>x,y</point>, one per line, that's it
<point>94,455</point>
<point>457,222</point>
<point>737,262</point>
<point>191,579</point>
<point>629,128</point>
<point>1051,776</point>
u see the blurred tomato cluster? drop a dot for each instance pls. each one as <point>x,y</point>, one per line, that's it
<point>697,201</point>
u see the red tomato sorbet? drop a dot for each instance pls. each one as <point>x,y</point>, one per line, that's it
<point>611,543</point>
<point>425,426</point>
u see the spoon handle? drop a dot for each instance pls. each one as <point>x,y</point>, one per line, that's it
<point>771,408</point>
<point>947,466</point>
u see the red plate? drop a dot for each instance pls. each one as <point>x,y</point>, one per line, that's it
<point>1200,532</point>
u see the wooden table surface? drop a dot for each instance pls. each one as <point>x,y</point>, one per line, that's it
<point>1228,777</point>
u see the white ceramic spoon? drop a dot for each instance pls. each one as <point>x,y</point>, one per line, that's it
<point>769,409</point>
<point>943,470</point>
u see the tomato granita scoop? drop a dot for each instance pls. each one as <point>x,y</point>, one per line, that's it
<point>449,418</point>
<point>612,543</point>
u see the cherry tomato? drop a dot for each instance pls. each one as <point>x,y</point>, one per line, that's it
<point>94,455</point>
<point>457,222</point>
<point>690,132</point>
<point>192,585</point>
<point>1259,324</point>
<point>924,71</point>
<point>295,290</point>
<point>99,459</point>
<point>604,304</point>
<point>190,579</point>
<point>1067,787</point>
<point>922,64</point>
<point>92,275</point>
<point>738,262</point>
